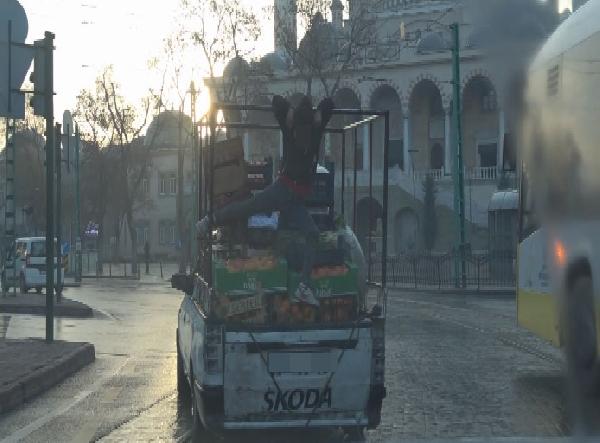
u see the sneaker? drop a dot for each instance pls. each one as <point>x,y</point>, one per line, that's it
<point>304,294</point>
<point>202,227</point>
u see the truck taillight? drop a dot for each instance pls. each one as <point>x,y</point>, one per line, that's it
<point>213,347</point>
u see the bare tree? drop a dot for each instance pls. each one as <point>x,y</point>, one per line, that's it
<point>115,124</point>
<point>223,30</point>
<point>326,52</point>
<point>173,78</point>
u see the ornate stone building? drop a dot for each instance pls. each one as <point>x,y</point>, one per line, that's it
<point>406,67</point>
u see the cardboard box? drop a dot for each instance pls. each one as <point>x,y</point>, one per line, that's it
<point>329,283</point>
<point>229,167</point>
<point>226,152</point>
<point>229,179</point>
<point>241,275</point>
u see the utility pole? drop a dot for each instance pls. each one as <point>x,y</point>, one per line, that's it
<point>58,157</point>
<point>459,184</point>
<point>10,208</point>
<point>77,209</point>
<point>48,96</point>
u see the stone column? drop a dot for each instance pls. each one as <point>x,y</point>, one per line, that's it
<point>501,131</point>
<point>406,145</point>
<point>365,151</point>
<point>447,143</point>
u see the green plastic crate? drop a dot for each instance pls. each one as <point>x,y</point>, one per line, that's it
<point>231,282</point>
<point>329,286</point>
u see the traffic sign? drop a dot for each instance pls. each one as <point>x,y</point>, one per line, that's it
<point>18,57</point>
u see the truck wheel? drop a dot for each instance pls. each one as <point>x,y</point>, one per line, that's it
<point>198,433</point>
<point>183,386</point>
<point>354,434</point>
<point>22,287</point>
<point>581,354</point>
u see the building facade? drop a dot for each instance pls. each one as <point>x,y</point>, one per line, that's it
<point>405,67</point>
<point>155,210</point>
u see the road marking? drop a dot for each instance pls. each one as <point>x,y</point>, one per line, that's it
<point>37,424</point>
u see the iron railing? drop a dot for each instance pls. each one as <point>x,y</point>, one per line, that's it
<point>422,271</point>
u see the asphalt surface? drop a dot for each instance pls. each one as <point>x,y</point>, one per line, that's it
<point>457,367</point>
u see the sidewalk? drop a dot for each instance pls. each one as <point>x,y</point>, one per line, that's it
<point>154,276</point>
<point>30,367</point>
<point>36,304</point>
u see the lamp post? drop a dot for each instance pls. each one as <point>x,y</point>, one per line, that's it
<point>459,182</point>
<point>457,157</point>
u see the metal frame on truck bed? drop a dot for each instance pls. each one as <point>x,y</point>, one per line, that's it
<point>369,117</point>
<point>256,374</point>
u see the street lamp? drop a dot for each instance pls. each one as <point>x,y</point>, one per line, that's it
<point>458,169</point>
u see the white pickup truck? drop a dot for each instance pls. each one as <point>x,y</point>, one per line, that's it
<point>264,374</point>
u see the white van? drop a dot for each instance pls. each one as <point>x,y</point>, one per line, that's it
<point>29,261</point>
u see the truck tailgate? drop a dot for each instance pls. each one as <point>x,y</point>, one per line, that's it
<point>278,379</point>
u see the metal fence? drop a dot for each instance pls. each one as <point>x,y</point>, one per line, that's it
<point>92,267</point>
<point>483,270</point>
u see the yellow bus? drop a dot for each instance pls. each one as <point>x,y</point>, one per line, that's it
<point>558,284</point>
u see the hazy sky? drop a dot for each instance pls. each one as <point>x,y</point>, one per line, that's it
<point>91,34</point>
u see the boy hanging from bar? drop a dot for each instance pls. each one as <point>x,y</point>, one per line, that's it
<point>302,128</point>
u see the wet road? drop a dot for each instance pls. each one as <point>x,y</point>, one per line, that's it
<point>456,367</point>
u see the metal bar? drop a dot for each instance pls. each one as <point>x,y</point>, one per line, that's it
<point>10,234</point>
<point>196,174</point>
<point>370,195</point>
<point>201,185</point>
<point>58,154</point>
<point>355,179</point>
<point>459,188</point>
<point>50,146</point>
<point>78,245</point>
<point>9,67</point>
<point>211,162</point>
<point>267,108</point>
<point>237,125</point>
<point>343,173</point>
<point>22,45</point>
<point>10,214</point>
<point>386,155</point>
<point>362,122</point>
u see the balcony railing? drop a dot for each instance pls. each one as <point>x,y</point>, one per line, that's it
<point>478,174</point>
<point>436,174</point>
<point>481,173</point>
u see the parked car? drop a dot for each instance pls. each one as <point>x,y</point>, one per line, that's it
<point>25,265</point>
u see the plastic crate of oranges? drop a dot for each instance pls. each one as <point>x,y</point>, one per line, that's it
<point>331,310</point>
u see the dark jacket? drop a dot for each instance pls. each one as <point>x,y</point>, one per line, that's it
<point>301,142</point>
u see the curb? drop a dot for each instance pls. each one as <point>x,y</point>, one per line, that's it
<point>44,378</point>
<point>59,310</point>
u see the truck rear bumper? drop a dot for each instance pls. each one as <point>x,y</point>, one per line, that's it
<point>212,415</point>
<point>278,424</point>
